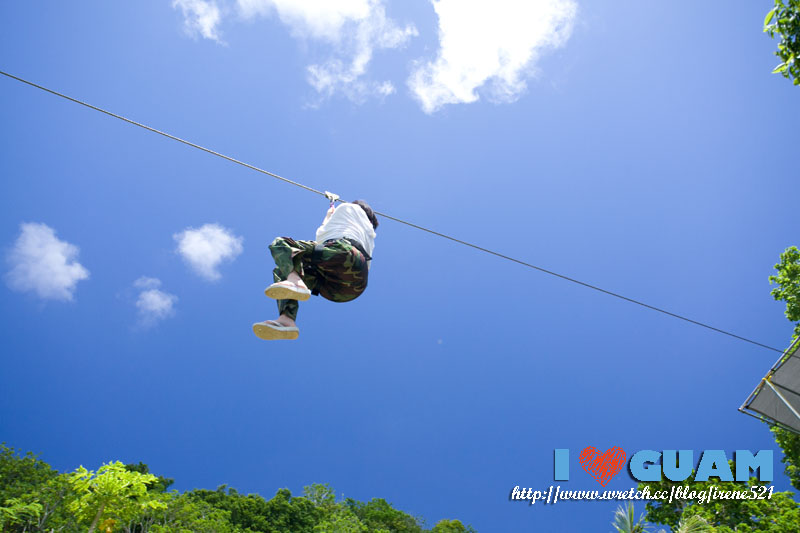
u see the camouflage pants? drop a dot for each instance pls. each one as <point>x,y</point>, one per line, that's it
<point>338,273</point>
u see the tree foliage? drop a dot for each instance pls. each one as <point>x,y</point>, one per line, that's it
<point>787,280</point>
<point>377,514</point>
<point>625,520</point>
<point>121,498</point>
<point>784,20</point>
<point>113,495</point>
<point>33,496</point>
<point>253,513</point>
<point>18,512</point>
<point>161,484</point>
<point>692,524</point>
<point>21,474</point>
<point>184,514</point>
<point>790,444</point>
<point>776,514</point>
<point>451,526</point>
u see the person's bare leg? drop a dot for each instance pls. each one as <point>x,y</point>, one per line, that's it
<point>295,278</point>
<point>284,320</point>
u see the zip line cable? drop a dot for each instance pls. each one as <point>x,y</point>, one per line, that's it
<point>167,135</point>
<point>421,228</point>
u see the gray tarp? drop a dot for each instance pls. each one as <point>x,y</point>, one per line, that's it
<point>776,400</point>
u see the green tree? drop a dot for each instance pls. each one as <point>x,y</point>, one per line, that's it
<point>790,444</point>
<point>161,484</point>
<point>26,483</point>
<point>129,499</point>
<point>692,524</point>
<point>321,495</point>
<point>378,515</point>
<point>17,512</point>
<point>625,520</point>
<point>341,521</point>
<point>54,497</point>
<point>777,514</point>
<point>451,526</point>
<point>21,474</point>
<point>183,514</point>
<point>787,280</point>
<point>252,512</point>
<point>113,492</point>
<point>784,20</point>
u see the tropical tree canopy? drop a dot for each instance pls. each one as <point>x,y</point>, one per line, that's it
<point>129,499</point>
<point>784,20</point>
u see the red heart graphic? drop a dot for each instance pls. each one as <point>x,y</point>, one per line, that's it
<point>604,466</point>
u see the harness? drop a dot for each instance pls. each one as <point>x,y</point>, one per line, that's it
<point>358,246</point>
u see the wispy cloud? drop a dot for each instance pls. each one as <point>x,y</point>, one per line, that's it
<point>355,38</point>
<point>153,304</point>
<point>43,264</point>
<point>205,248</point>
<point>494,44</point>
<point>200,17</point>
<point>349,30</point>
<point>486,48</point>
<point>320,19</point>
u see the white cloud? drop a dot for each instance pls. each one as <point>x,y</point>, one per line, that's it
<point>43,264</point>
<point>386,88</point>
<point>488,42</point>
<point>200,17</point>
<point>153,304</point>
<point>206,247</point>
<point>147,283</point>
<point>357,32</point>
<point>350,30</point>
<point>319,19</point>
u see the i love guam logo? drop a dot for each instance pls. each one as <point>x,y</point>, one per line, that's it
<point>652,465</point>
<point>675,465</point>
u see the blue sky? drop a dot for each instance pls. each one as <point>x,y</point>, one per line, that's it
<point>645,149</point>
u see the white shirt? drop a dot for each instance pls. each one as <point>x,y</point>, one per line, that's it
<point>350,221</point>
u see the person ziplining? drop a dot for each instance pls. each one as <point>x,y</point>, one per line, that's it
<point>287,321</point>
<point>334,265</point>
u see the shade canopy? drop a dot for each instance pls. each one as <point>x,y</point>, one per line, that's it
<point>776,400</point>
